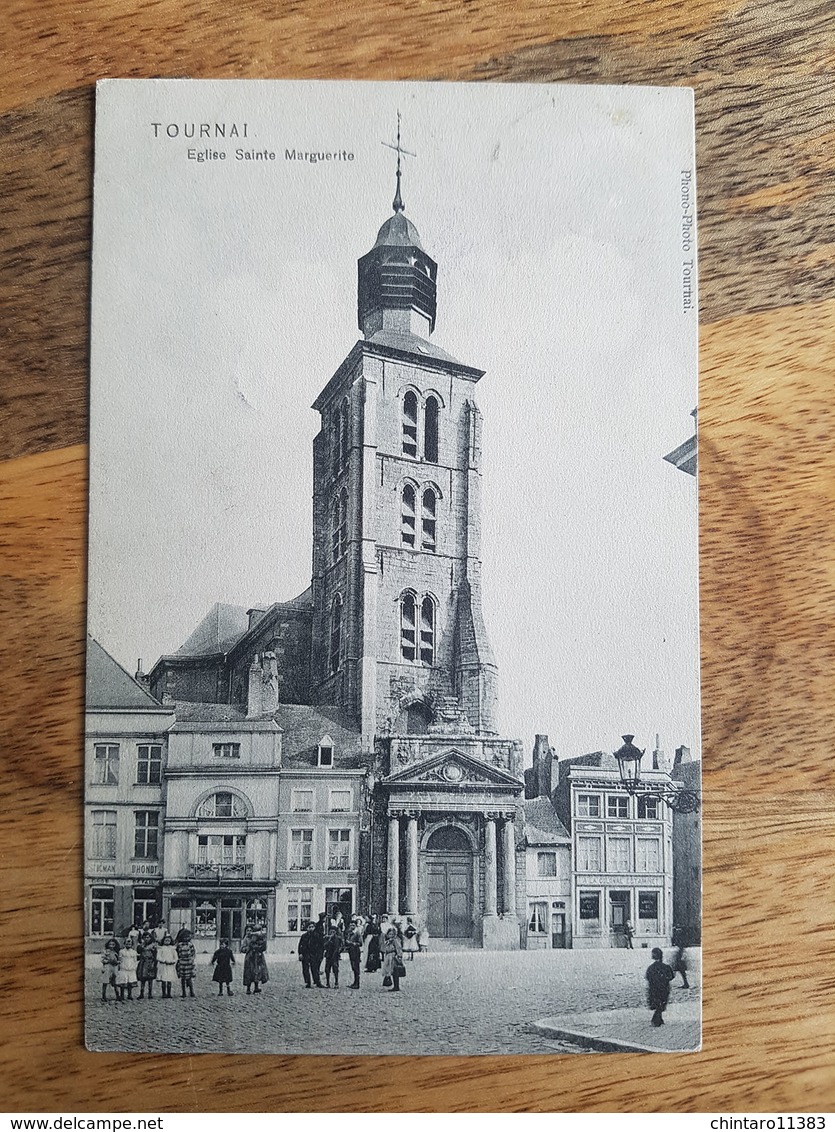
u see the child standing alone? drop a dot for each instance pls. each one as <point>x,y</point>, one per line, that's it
<point>222,961</point>
<point>109,967</point>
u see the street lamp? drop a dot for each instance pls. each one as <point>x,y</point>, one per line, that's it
<point>678,798</point>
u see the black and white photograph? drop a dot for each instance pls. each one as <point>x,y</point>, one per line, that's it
<point>392,688</point>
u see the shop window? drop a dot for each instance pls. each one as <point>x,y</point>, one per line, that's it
<point>408,516</point>
<point>428,520</point>
<point>647,905</point>
<point>206,920</point>
<point>149,765</point>
<point>339,848</point>
<point>588,805</point>
<point>546,864</point>
<point>617,806</point>
<point>538,919</point>
<point>106,764</point>
<point>256,914</point>
<point>103,830</point>
<point>146,834</point>
<point>299,908</point>
<point>101,911</point>
<point>301,848</point>
<point>590,908</point>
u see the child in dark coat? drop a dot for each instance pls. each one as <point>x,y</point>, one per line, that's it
<point>222,960</point>
<point>659,976</point>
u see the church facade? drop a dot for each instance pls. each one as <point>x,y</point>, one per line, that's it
<point>389,643</point>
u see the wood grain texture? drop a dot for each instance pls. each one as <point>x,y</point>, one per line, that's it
<point>767,479</point>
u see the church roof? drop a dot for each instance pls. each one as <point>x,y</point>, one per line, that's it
<point>410,344</point>
<point>217,632</point>
<point>542,826</point>
<point>398,232</point>
<point>111,686</point>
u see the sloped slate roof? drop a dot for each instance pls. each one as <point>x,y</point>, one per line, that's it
<point>410,344</point>
<point>304,727</point>
<point>111,686</point>
<point>542,826</point>
<point>187,712</point>
<point>217,632</point>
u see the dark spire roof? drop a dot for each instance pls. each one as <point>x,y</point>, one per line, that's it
<point>398,232</point>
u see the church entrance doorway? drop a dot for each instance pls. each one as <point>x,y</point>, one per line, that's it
<point>449,869</point>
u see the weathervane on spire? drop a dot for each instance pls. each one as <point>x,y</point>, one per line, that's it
<point>397,203</point>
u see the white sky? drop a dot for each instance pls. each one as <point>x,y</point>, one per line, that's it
<point>224,297</point>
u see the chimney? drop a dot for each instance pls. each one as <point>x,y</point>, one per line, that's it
<point>659,759</point>
<point>269,693</point>
<point>139,676</point>
<point>254,700</point>
<point>543,761</point>
<point>682,756</point>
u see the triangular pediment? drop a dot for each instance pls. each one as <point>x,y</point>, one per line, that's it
<point>452,768</point>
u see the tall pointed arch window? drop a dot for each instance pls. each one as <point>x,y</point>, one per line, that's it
<point>428,520</point>
<point>335,647</point>
<point>408,626</point>
<point>343,434</point>
<point>336,440</point>
<point>430,430</point>
<point>427,631</point>
<point>408,516</point>
<point>339,539</point>
<point>410,424</point>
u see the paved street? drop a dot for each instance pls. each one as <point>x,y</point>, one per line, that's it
<point>469,1002</point>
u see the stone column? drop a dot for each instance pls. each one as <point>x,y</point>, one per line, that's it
<point>490,869</point>
<point>393,901</point>
<point>509,854</point>
<point>412,864</point>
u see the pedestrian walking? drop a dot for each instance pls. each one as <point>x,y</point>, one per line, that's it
<point>628,931</point>
<point>680,957</point>
<point>372,935</point>
<point>393,969</point>
<point>254,945</point>
<point>308,949</point>
<point>353,943</point>
<point>166,964</point>
<point>109,967</point>
<point>146,968</point>
<point>410,939</point>
<point>186,959</point>
<point>659,975</point>
<point>126,975</point>
<point>223,960</point>
<point>334,940</point>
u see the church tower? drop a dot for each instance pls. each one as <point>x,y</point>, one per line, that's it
<point>399,637</point>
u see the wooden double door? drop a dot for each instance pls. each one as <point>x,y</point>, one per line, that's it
<point>449,910</point>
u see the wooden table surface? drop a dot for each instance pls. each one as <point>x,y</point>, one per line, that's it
<point>766,139</point>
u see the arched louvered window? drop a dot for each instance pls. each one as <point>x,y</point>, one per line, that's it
<point>430,430</point>
<point>336,440</point>
<point>408,627</point>
<point>339,537</point>
<point>335,649</point>
<point>428,520</point>
<point>344,438</point>
<point>408,516</point>
<point>410,424</point>
<point>427,631</point>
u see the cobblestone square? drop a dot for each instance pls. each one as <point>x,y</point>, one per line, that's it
<point>463,1002</point>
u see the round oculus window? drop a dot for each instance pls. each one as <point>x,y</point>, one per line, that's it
<point>453,772</point>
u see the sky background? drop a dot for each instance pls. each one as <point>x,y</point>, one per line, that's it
<point>224,298</point>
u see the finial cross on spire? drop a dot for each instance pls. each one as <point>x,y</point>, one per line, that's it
<point>397,203</point>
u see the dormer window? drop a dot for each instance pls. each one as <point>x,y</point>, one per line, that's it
<point>325,753</point>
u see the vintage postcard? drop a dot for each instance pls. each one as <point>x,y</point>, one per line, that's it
<point>393,670</point>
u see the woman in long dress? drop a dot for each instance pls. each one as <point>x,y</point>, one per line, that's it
<point>392,958</point>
